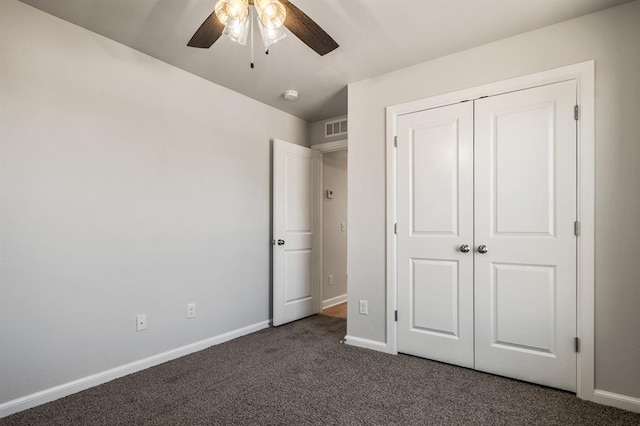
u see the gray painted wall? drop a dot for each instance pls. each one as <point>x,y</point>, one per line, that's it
<point>127,186</point>
<point>334,240</point>
<point>611,39</point>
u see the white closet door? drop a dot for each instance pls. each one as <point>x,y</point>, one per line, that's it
<point>435,218</point>
<point>525,208</point>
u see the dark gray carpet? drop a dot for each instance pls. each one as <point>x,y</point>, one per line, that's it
<point>300,374</point>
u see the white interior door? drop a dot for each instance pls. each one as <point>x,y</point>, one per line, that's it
<point>435,222</point>
<point>295,290</point>
<point>525,208</point>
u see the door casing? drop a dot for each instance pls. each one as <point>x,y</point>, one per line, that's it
<point>584,75</point>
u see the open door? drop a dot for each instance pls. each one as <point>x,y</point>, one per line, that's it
<point>295,287</point>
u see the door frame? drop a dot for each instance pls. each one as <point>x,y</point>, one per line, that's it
<point>584,75</point>
<point>323,148</point>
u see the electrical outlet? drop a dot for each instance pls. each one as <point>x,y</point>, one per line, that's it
<point>141,322</point>
<point>364,307</point>
<point>343,226</point>
<point>330,280</point>
<point>191,310</point>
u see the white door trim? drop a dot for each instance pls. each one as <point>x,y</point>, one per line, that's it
<point>319,239</point>
<point>583,73</point>
<point>331,146</point>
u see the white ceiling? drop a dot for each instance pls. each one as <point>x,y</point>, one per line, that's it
<point>375,36</point>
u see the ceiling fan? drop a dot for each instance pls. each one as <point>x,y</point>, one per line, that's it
<point>233,17</point>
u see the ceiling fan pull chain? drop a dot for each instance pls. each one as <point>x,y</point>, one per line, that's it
<point>251,35</point>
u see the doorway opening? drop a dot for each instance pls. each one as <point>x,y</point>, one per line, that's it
<point>332,211</point>
<point>309,271</point>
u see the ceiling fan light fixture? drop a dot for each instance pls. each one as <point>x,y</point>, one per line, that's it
<point>232,13</point>
<point>271,13</point>
<point>239,34</point>
<point>270,35</point>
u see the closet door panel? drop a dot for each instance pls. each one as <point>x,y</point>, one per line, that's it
<point>525,208</point>
<point>435,218</point>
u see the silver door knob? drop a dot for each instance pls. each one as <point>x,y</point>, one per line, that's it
<point>280,242</point>
<point>464,248</point>
<point>482,249</point>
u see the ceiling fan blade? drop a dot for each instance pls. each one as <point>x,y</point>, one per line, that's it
<point>307,30</point>
<point>210,30</point>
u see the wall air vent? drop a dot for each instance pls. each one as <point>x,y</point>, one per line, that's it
<point>335,128</point>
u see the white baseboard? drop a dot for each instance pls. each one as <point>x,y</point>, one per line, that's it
<point>334,301</point>
<point>366,343</point>
<point>617,400</point>
<point>51,394</point>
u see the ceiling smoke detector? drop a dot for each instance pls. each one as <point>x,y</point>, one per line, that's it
<point>291,95</point>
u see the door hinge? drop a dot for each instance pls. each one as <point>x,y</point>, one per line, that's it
<point>395,141</point>
<point>396,315</point>
<point>576,228</point>
<point>576,112</point>
<point>395,228</point>
<point>576,344</point>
